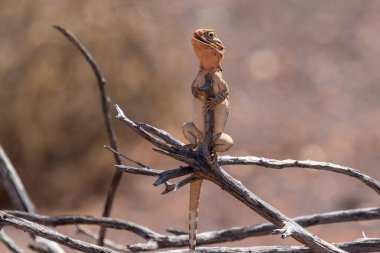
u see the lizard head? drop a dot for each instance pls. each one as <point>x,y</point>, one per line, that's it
<point>208,48</point>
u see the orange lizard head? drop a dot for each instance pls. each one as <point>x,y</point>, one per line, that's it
<point>208,48</point>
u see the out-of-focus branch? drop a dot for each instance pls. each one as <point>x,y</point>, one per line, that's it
<point>105,100</point>
<point>281,164</point>
<point>20,197</point>
<point>14,185</point>
<point>42,231</point>
<point>9,243</point>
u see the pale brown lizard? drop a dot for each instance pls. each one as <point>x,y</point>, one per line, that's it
<point>210,50</point>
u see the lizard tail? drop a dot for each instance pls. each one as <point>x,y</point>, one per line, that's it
<point>195,191</point>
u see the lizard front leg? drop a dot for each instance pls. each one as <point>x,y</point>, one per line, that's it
<point>212,102</point>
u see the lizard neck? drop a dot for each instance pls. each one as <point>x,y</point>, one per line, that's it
<point>210,68</point>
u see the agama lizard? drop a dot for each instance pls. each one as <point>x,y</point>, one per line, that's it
<point>210,50</point>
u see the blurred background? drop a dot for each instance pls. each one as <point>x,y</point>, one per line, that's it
<point>304,84</point>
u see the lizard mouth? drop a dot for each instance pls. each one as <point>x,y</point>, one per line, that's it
<point>200,38</point>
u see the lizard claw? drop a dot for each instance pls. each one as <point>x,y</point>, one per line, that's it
<point>189,147</point>
<point>209,105</point>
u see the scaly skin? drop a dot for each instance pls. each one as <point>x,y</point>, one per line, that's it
<point>210,51</point>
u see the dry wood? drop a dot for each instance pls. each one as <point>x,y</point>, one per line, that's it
<point>156,240</point>
<point>200,164</point>
<point>204,169</point>
<point>307,164</point>
<point>105,101</point>
<point>359,245</point>
<point>9,243</point>
<point>21,200</point>
<point>42,231</point>
<point>14,185</point>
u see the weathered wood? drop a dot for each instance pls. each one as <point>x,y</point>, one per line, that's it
<point>105,102</point>
<point>360,245</point>
<point>307,164</point>
<point>156,240</point>
<point>204,168</point>
<point>13,184</point>
<point>42,231</point>
<point>9,243</point>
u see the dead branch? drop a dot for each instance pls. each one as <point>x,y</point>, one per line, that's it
<point>9,243</point>
<point>308,164</point>
<point>13,184</point>
<point>359,245</point>
<point>108,243</point>
<point>204,169</point>
<point>156,240</point>
<point>42,231</point>
<point>114,223</point>
<point>21,200</point>
<point>105,101</point>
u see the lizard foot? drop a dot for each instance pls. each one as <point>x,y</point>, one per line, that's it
<point>189,147</point>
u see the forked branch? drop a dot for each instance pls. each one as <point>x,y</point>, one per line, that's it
<point>213,172</point>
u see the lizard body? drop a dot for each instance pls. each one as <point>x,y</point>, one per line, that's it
<point>210,50</point>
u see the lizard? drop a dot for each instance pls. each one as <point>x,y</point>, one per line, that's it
<point>209,50</point>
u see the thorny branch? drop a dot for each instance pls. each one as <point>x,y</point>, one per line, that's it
<point>107,121</point>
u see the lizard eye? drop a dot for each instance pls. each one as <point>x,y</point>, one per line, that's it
<point>211,35</point>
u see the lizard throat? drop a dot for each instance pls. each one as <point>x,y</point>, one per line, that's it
<point>211,68</point>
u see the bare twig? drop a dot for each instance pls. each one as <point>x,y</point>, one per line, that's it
<point>107,242</point>
<point>127,158</point>
<point>20,197</point>
<point>163,175</point>
<point>141,130</point>
<point>114,223</point>
<point>281,164</point>
<point>9,243</point>
<point>162,134</point>
<point>14,185</point>
<point>42,231</point>
<point>107,121</point>
<point>360,245</point>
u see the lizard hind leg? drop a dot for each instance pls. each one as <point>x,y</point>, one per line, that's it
<point>222,142</point>
<point>191,133</point>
